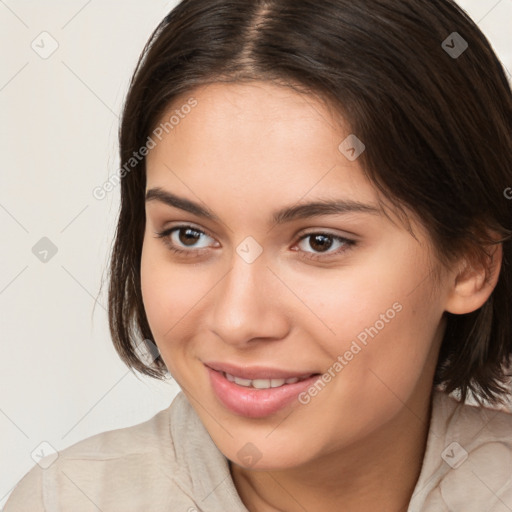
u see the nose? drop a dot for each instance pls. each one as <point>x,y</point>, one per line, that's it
<point>249,304</point>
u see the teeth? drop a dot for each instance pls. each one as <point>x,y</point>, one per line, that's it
<point>261,383</point>
<point>242,382</point>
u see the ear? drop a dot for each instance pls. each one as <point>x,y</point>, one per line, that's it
<point>473,282</point>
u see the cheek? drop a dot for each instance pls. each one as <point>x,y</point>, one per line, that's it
<point>169,292</point>
<point>397,356</point>
<point>350,302</point>
<point>383,323</point>
<point>378,363</point>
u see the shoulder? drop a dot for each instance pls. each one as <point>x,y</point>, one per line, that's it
<point>476,427</point>
<point>146,437</point>
<point>468,460</point>
<point>102,467</point>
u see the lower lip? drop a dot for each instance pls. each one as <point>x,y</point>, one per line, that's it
<point>256,403</point>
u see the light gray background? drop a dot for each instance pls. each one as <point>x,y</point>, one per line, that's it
<point>60,378</point>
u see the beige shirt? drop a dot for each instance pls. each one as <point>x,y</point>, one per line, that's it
<point>170,463</point>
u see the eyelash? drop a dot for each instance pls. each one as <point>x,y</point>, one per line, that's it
<point>165,236</point>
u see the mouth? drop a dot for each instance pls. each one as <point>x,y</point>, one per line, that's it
<point>265,393</point>
<point>264,383</point>
<point>258,373</point>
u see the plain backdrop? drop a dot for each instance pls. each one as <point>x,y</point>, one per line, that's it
<point>64,73</point>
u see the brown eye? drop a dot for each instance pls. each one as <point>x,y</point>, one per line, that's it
<point>320,242</point>
<point>186,240</point>
<point>188,236</point>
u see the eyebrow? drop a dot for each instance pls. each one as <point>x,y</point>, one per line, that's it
<point>287,214</point>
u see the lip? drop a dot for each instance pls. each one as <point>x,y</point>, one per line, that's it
<point>256,403</point>
<point>256,372</point>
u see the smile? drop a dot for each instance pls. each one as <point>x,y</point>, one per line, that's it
<point>258,397</point>
<point>263,383</point>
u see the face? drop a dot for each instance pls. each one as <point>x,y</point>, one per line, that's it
<point>246,280</point>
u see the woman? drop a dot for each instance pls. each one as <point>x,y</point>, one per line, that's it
<point>315,233</point>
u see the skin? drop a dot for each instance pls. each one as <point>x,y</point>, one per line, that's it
<point>245,151</point>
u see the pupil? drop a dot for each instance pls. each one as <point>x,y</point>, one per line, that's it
<point>322,242</point>
<point>189,238</point>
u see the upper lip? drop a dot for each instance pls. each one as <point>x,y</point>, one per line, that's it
<point>257,372</point>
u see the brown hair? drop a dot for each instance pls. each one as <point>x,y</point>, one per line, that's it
<point>437,128</point>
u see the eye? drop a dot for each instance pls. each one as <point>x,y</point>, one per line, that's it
<point>180,237</point>
<point>183,240</point>
<point>322,243</point>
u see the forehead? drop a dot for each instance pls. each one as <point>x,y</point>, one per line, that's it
<point>255,138</point>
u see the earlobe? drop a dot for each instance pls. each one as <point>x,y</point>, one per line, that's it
<point>474,283</point>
